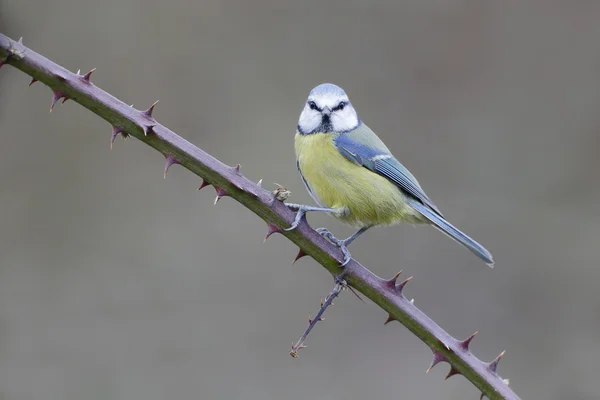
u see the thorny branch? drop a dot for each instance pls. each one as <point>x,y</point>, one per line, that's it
<point>228,181</point>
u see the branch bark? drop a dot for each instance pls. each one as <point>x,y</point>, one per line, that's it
<point>228,181</point>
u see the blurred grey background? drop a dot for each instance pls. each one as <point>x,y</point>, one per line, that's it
<point>117,284</point>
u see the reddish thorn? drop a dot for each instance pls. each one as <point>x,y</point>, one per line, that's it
<point>86,77</point>
<point>389,319</point>
<point>33,80</point>
<point>150,110</point>
<point>115,133</point>
<point>300,254</point>
<point>170,160</point>
<point>402,284</point>
<point>452,372</point>
<point>204,184</point>
<point>392,282</point>
<point>65,99</point>
<point>437,358</point>
<point>309,320</point>
<point>55,98</point>
<point>148,129</point>
<point>220,193</point>
<point>494,364</point>
<point>465,343</point>
<point>271,229</point>
<point>237,168</point>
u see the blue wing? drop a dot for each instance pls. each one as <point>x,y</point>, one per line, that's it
<point>363,147</point>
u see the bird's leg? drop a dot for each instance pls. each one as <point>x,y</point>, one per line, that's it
<point>301,210</point>
<point>342,244</point>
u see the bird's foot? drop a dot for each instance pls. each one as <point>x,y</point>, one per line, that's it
<point>339,243</point>
<point>301,211</point>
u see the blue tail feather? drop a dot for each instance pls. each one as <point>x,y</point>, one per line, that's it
<point>446,227</point>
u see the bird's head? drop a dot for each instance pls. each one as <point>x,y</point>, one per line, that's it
<point>327,110</point>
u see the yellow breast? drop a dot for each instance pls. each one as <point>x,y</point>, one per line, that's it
<point>364,197</point>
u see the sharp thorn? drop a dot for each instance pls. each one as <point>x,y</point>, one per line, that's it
<point>78,72</point>
<point>33,80</point>
<point>465,343</point>
<point>220,193</point>
<point>271,229</point>
<point>55,98</point>
<point>204,184</point>
<point>412,301</point>
<point>113,136</point>
<point>452,372</point>
<point>64,99</point>
<point>170,160</point>
<point>389,319</point>
<point>322,319</point>
<point>86,77</point>
<point>321,302</point>
<point>392,282</point>
<point>437,358</point>
<point>259,183</point>
<point>148,128</point>
<point>150,110</point>
<point>300,254</point>
<point>402,284</point>
<point>20,40</point>
<point>482,396</point>
<point>309,320</point>
<point>237,168</point>
<point>494,364</point>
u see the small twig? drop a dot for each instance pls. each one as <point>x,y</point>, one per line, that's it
<point>339,286</point>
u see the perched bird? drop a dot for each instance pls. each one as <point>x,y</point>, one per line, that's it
<point>353,176</point>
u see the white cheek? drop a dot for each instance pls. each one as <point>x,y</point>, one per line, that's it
<point>345,121</point>
<point>309,120</point>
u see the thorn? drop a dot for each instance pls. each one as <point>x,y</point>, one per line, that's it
<point>392,282</point>
<point>78,72</point>
<point>465,343</point>
<point>56,97</point>
<point>309,320</point>
<point>322,319</point>
<point>271,229</point>
<point>259,183</point>
<point>170,160</point>
<point>482,396</point>
<point>115,133</point>
<point>33,80</point>
<point>452,372</point>
<point>494,364</point>
<point>389,319</point>
<point>20,40</point>
<point>150,110</point>
<point>220,193</point>
<point>402,284</point>
<point>237,168</point>
<point>148,129</point>
<point>64,99</point>
<point>204,184</point>
<point>437,358</point>
<point>412,301</point>
<point>506,381</point>
<point>86,77</point>
<point>300,254</point>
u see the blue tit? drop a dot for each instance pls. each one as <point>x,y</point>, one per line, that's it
<point>352,175</point>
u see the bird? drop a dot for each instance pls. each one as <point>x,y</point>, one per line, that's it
<point>352,175</point>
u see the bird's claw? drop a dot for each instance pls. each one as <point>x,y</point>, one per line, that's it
<point>339,243</point>
<point>301,211</point>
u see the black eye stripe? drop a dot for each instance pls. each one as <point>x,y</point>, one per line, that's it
<point>340,106</point>
<point>313,106</point>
